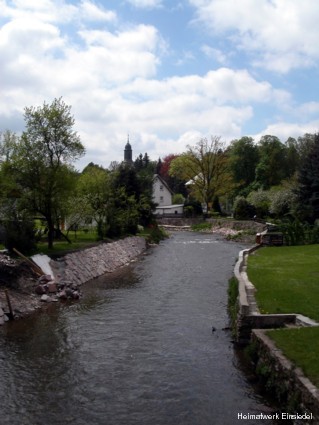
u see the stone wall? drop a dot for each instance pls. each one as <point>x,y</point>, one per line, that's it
<point>287,382</point>
<point>82,266</point>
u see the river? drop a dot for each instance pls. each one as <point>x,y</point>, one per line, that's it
<point>146,345</point>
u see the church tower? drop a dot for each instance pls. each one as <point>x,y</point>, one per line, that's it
<point>128,152</point>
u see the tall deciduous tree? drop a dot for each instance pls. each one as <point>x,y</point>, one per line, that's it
<point>205,166</point>
<point>42,159</point>
<point>308,181</point>
<point>243,160</point>
<point>94,188</point>
<point>271,169</point>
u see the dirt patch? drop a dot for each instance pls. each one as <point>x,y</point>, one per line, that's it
<point>17,280</point>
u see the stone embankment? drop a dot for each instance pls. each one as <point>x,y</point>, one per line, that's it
<point>62,278</point>
<point>79,267</point>
<point>287,381</point>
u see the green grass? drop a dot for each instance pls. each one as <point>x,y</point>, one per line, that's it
<point>79,240</point>
<point>301,346</point>
<point>201,226</point>
<point>286,279</point>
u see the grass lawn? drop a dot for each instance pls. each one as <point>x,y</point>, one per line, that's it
<point>79,240</point>
<point>286,279</point>
<point>301,346</point>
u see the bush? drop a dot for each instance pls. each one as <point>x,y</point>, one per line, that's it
<point>260,200</point>
<point>201,226</point>
<point>297,233</point>
<point>20,234</point>
<point>178,198</point>
<point>156,234</point>
<point>243,210</point>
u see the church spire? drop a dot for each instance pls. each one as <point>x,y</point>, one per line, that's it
<point>128,152</point>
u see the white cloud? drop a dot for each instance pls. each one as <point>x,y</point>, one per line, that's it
<point>285,30</point>
<point>215,54</point>
<point>145,3</point>
<point>283,130</point>
<point>110,78</point>
<point>56,11</point>
<point>89,11</point>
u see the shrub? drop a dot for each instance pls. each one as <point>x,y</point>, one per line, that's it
<point>243,210</point>
<point>260,200</point>
<point>156,234</point>
<point>178,198</point>
<point>201,226</point>
<point>20,234</point>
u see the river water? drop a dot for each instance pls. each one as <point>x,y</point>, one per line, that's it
<point>137,349</point>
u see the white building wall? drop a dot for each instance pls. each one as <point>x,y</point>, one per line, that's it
<point>161,194</point>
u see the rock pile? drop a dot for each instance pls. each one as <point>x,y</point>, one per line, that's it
<point>51,291</point>
<point>28,291</point>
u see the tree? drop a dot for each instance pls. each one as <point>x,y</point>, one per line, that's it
<point>42,160</point>
<point>94,189</point>
<point>271,169</point>
<point>308,183</point>
<point>8,139</point>
<point>292,157</point>
<point>177,185</point>
<point>205,166</point>
<point>243,160</point>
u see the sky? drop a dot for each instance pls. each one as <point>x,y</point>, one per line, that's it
<point>164,73</point>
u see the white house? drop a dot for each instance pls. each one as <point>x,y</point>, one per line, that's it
<point>162,196</point>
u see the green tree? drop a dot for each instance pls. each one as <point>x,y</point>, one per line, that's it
<point>243,159</point>
<point>308,183</point>
<point>205,166</point>
<point>42,160</point>
<point>271,169</point>
<point>292,157</point>
<point>94,188</point>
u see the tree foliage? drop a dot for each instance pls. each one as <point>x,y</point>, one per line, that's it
<point>41,159</point>
<point>243,159</point>
<point>271,168</point>
<point>205,166</point>
<point>308,180</point>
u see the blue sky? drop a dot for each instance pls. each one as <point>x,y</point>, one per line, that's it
<point>165,72</point>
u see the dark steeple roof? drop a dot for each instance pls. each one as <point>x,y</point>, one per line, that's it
<point>128,153</point>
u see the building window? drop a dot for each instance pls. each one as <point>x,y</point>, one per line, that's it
<point>161,199</point>
<point>161,187</point>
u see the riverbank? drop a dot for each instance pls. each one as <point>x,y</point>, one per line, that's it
<point>278,295</point>
<point>28,291</point>
<point>242,231</point>
<point>73,269</point>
